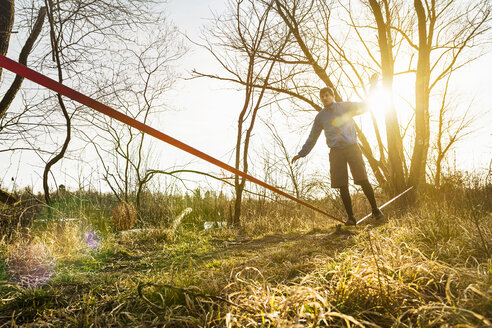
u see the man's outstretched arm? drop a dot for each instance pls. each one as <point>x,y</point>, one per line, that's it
<point>358,108</point>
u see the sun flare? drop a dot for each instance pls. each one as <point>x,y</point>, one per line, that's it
<point>380,100</point>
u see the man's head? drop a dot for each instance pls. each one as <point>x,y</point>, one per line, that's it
<point>327,96</point>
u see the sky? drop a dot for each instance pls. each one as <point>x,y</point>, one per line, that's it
<point>206,112</point>
<point>473,82</point>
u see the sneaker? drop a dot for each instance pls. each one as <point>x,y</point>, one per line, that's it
<point>351,221</point>
<point>377,214</point>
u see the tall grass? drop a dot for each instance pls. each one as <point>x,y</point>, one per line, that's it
<point>429,266</point>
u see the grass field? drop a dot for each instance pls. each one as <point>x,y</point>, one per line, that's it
<point>429,266</point>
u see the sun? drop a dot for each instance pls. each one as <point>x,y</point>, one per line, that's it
<point>400,98</point>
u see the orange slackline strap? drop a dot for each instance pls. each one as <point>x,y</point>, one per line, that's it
<point>45,81</point>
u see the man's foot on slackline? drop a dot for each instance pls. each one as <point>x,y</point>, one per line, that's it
<point>377,214</point>
<point>351,221</point>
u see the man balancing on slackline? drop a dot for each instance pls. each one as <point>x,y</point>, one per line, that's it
<point>336,120</point>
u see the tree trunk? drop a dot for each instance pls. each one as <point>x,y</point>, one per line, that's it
<point>6,23</point>
<point>239,183</point>
<point>61,154</point>
<point>437,179</point>
<point>395,143</point>
<point>237,205</point>
<point>26,50</point>
<point>421,146</point>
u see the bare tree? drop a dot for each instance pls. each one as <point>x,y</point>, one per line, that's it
<point>293,171</point>
<point>83,35</point>
<point>6,23</point>
<point>306,57</point>
<point>452,127</point>
<point>244,35</point>
<point>9,96</point>
<point>55,37</point>
<point>385,43</point>
<point>137,86</point>
<point>445,29</point>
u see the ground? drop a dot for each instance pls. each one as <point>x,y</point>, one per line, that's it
<point>429,265</point>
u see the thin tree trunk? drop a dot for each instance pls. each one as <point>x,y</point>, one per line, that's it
<point>26,50</point>
<point>395,143</point>
<point>421,146</point>
<point>437,180</point>
<point>59,156</point>
<point>239,183</point>
<point>6,23</point>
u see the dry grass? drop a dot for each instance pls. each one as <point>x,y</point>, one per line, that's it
<point>124,216</point>
<point>30,263</point>
<point>375,283</point>
<point>429,266</point>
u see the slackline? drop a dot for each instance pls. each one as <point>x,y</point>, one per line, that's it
<point>62,89</point>
<point>387,203</point>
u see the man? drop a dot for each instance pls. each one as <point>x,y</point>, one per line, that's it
<point>336,120</point>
